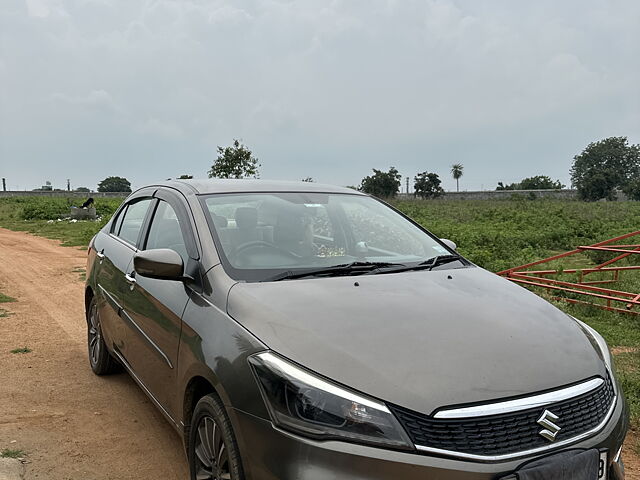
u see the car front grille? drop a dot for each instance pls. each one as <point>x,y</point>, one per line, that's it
<point>506,434</point>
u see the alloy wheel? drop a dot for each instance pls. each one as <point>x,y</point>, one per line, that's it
<point>212,458</point>
<point>95,335</point>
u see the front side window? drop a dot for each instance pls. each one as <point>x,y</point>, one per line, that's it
<point>132,221</point>
<point>262,234</point>
<point>165,231</point>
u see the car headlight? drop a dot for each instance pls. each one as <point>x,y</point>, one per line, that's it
<point>305,403</point>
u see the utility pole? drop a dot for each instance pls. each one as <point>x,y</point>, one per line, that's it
<point>68,185</point>
<point>407,185</point>
<point>4,184</point>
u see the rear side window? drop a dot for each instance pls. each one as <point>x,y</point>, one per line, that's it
<point>165,231</point>
<point>132,221</point>
<point>118,222</point>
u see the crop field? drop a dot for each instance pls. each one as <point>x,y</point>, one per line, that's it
<point>495,234</point>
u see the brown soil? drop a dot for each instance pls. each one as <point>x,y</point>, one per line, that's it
<point>620,350</point>
<point>630,456</point>
<point>72,424</point>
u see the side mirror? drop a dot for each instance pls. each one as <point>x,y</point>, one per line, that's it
<point>449,243</point>
<point>161,263</point>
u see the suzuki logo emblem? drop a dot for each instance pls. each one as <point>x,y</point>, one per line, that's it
<point>550,429</point>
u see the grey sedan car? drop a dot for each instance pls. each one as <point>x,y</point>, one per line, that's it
<point>297,331</point>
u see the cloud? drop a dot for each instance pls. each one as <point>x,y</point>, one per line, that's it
<point>327,89</point>
<point>94,100</point>
<point>38,8</point>
<point>156,127</point>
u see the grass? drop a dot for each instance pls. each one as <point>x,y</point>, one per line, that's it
<point>21,350</point>
<point>82,273</point>
<point>6,298</point>
<point>498,234</point>
<point>11,453</point>
<point>70,234</point>
<point>39,216</point>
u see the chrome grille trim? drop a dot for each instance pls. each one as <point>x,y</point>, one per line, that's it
<point>516,455</point>
<point>511,406</point>
<point>530,452</point>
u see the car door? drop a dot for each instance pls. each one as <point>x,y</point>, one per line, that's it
<point>115,249</point>
<point>154,307</point>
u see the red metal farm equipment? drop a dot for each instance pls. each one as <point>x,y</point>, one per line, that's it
<point>588,291</point>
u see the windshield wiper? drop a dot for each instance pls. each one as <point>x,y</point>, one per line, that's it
<point>429,264</point>
<point>341,269</point>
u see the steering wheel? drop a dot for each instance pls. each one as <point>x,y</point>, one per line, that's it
<point>255,244</point>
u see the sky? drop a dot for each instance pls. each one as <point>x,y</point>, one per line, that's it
<point>330,89</point>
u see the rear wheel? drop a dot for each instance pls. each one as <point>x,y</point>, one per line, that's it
<point>213,451</point>
<point>101,361</point>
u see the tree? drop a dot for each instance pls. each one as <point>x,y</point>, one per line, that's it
<point>456,172</point>
<point>308,179</point>
<point>539,182</point>
<point>81,189</point>
<point>114,184</point>
<point>596,185</point>
<point>427,185</point>
<point>632,189</point>
<point>382,184</point>
<point>185,177</point>
<point>612,162</point>
<point>236,161</point>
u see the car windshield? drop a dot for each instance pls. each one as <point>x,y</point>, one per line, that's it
<point>260,235</point>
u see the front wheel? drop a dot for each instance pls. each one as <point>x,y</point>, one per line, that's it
<point>213,451</point>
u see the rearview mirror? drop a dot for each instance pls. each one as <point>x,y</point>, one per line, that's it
<point>161,263</point>
<point>449,243</point>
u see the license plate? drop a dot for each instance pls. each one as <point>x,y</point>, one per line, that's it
<point>603,466</point>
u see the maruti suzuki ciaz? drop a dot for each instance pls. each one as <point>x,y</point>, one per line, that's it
<point>298,331</point>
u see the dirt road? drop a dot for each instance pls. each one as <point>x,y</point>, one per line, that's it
<point>71,424</point>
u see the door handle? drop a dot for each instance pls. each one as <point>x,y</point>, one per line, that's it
<point>130,279</point>
<point>100,255</point>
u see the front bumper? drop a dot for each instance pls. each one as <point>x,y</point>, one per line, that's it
<point>272,454</point>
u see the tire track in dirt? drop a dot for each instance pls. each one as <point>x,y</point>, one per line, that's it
<point>72,424</point>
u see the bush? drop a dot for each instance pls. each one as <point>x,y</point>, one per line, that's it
<point>51,208</point>
<point>45,208</point>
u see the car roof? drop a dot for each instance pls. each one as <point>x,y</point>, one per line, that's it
<point>219,185</point>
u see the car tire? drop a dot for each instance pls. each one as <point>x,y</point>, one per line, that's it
<point>100,359</point>
<point>213,451</point>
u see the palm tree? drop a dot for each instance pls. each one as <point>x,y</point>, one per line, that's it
<point>456,171</point>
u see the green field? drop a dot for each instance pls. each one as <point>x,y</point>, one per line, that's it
<point>39,215</point>
<point>495,234</point>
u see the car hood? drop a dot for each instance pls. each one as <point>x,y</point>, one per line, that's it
<point>422,340</point>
